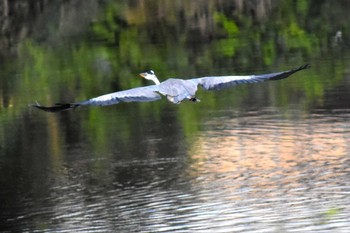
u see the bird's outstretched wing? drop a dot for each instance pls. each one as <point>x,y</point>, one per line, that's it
<point>222,82</point>
<point>171,88</point>
<point>139,94</point>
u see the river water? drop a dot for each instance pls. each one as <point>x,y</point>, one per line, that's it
<point>256,171</point>
<point>271,157</point>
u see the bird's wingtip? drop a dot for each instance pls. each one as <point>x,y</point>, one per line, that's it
<point>55,108</point>
<point>305,66</point>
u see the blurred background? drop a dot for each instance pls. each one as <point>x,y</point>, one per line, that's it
<point>270,157</point>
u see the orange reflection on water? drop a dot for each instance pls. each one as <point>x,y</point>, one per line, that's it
<point>270,151</point>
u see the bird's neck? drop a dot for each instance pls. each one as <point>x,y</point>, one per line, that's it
<point>155,80</point>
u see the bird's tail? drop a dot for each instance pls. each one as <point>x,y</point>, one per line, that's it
<point>55,108</point>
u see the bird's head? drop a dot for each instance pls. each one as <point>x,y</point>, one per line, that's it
<point>150,75</point>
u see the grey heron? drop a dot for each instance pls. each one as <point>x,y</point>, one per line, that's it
<point>176,90</point>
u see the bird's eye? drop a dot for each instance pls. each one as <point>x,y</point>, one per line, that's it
<point>151,72</point>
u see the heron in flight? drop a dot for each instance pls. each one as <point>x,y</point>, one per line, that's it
<point>176,90</point>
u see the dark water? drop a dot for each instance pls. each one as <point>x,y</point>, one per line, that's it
<point>271,157</point>
<point>257,171</point>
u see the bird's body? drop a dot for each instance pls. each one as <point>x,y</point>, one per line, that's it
<point>176,90</point>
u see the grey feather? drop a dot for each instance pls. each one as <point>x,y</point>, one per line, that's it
<point>139,94</point>
<point>176,90</point>
<point>221,82</point>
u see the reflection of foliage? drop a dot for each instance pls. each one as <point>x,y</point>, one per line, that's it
<point>180,39</point>
<point>229,25</point>
<point>269,52</point>
<point>297,39</point>
<point>107,28</point>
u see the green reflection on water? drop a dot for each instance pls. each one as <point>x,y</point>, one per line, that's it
<point>182,40</point>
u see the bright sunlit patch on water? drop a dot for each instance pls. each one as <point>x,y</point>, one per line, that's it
<point>279,170</point>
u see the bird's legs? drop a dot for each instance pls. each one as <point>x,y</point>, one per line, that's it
<point>194,99</point>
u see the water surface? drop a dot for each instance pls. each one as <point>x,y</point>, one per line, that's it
<point>270,157</point>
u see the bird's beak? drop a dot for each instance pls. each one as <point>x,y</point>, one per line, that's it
<point>143,74</point>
